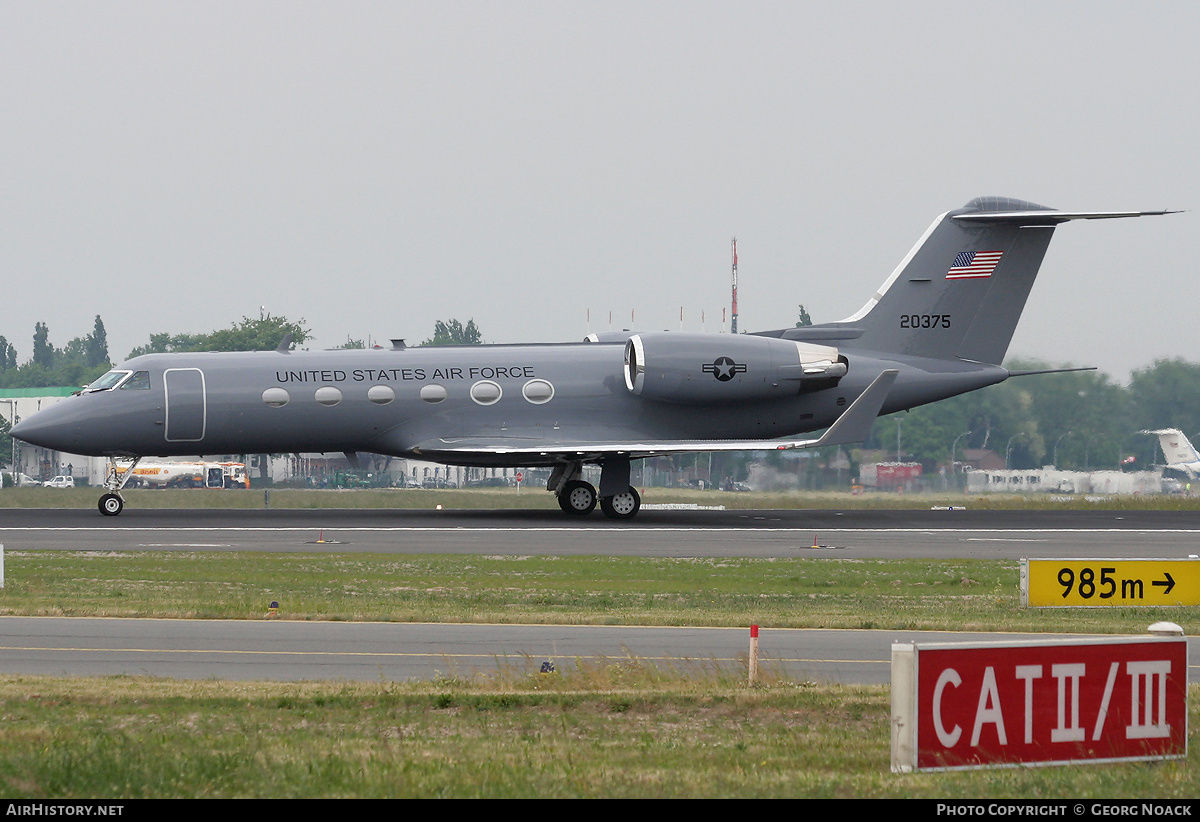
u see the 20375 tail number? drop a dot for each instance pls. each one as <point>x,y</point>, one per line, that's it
<point>924,320</point>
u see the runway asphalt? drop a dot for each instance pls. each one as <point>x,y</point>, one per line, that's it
<point>780,533</point>
<point>380,652</point>
<point>286,651</point>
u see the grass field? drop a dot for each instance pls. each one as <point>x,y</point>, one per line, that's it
<point>627,728</point>
<point>620,731</point>
<point>793,592</point>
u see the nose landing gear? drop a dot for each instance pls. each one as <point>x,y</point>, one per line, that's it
<point>112,504</point>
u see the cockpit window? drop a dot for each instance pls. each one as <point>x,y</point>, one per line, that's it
<point>109,381</point>
<point>140,381</point>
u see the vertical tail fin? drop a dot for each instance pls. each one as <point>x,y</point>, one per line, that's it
<point>959,293</point>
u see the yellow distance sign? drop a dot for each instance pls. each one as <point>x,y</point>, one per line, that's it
<point>1075,583</point>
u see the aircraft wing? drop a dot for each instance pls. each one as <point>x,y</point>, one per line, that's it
<point>852,426</point>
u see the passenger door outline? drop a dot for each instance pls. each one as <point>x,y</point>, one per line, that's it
<point>186,404</point>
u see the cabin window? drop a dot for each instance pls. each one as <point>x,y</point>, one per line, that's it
<point>486,392</point>
<point>433,394</point>
<point>140,381</point>
<point>381,394</point>
<point>538,391</point>
<point>276,397</point>
<point>328,396</point>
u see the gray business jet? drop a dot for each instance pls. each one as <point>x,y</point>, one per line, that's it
<point>939,326</point>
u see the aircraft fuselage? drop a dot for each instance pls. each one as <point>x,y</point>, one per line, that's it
<point>404,402</point>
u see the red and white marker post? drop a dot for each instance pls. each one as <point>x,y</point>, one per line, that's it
<point>753,653</point>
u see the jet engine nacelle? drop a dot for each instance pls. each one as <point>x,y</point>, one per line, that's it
<point>702,368</point>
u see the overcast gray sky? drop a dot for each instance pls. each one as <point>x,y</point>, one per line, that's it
<point>375,166</point>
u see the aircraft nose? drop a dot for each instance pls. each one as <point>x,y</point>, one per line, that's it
<point>44,428</point>
<point>28,431</point>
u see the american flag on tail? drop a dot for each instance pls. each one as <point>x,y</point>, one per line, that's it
<point>970,265</point>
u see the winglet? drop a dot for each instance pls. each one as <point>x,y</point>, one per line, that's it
<point>854,425</point>
<point>285,344</point>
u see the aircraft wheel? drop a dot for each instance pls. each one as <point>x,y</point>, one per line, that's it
<point>578,497</point>
<point>110,505</point>
<point>622,506</point>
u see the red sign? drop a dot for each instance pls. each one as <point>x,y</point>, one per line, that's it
<point>884,474</point>
<point>897,471</point>
<point>969,706</point>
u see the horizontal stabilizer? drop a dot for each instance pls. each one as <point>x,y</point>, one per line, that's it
<point>1051,371</point>
<point>1051,217</point>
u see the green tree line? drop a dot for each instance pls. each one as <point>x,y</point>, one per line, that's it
<point>250,334</point>
<point>83,359</point>
<point>77,363</point>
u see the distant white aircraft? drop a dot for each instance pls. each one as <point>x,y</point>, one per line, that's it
<point>1178,451</point>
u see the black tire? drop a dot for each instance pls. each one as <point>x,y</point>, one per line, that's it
<point>577,497</point>
<point>111,505</point>
<point>622,506</point>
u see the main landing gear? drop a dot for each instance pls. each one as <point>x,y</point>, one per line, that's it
<point>115,479</point>
<point>622,506</point>
<point>578,497</point>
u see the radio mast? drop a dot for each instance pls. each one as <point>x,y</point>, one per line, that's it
<point>733,326</point>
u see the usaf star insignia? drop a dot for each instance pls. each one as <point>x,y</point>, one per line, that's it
<point>723,368</point>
